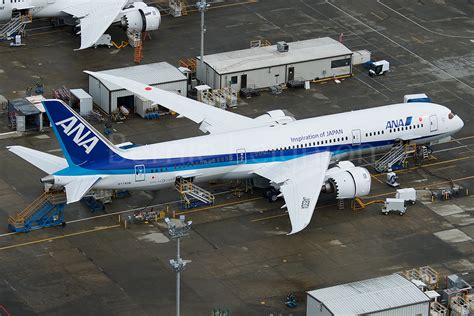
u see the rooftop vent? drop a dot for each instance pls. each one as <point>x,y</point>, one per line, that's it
<point>282,47</point>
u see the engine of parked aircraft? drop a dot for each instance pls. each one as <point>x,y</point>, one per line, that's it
<point>347,181</point>
<point>141,18</point>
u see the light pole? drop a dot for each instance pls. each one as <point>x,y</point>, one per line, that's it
<point>177,229</point>
<point>202,7</point>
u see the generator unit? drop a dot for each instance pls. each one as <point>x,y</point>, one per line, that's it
<point>282,47</point>
<point>377,68</point>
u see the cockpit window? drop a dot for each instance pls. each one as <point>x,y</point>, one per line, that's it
<point>451,115</point>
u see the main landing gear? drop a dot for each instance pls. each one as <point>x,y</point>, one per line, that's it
<point>271,194</point>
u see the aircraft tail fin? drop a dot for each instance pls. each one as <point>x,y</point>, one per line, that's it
<point>80,142</point>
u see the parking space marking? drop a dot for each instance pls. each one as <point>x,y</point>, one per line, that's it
<point>398,44</point>
<point>216,206</point>
<point>367,197</point>
<point>428,165</point>
<point>58,237</point>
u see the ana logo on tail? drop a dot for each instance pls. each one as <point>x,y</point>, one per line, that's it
<point>80,138</point>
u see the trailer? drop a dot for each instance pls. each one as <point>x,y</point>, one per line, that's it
<point>394,205</point>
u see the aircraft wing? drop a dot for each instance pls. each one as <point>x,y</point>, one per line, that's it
<point>300,181</point>
<point>210,118</point>
<point>95,17</point>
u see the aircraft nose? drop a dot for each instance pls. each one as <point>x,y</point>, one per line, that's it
<point>459,123</point>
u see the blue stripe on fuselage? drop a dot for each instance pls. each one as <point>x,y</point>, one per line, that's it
<point>127,166</point>
<point>117,165</point>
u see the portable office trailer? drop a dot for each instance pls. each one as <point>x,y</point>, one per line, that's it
<point>24,116</point>
<point>262,67</point>
<point>82,100</point>
<point>162,75</point>
<point>390,295</point>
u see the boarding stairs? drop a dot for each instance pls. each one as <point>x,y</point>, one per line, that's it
<point>46,211</point>
<point>16,25</point>
<point>188,191</point>
<point>396,155</point>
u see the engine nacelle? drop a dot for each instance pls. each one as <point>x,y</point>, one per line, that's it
<point>141,18</point>
<point>276,117</point>
<point>347,181</point>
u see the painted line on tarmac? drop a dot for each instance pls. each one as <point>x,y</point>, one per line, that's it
<point>117,213</point>
<point>216,206</point>
<point>59,237</point>
<point>398,44</point>
<point>286,213</point>
<point>368,197</point>
<point>423,186</point>
<point>427,165</point>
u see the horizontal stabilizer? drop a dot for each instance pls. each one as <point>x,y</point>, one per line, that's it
<point>77,188</point>
<point>46,162</point>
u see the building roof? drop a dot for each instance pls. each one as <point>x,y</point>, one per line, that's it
<point>369,296</point>
<point>268,56</point>
<point>80,94</point>
<point>150,74</point>
<point>37,100</point>
<point>24,107</point>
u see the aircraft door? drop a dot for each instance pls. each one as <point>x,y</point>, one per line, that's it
<point>433,123</point>
<point>241,156</point>
<point>139,173</point>
<point>356,137</point>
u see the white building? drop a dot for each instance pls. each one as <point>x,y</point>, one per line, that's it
<point>263,67</point>
<point>162,75</point>
<point>387,295</point>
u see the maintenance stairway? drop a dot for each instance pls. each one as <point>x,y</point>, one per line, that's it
<point>16,25</point>
<point>46,211</point>
<point>396,155</point>
<point>188,191</point>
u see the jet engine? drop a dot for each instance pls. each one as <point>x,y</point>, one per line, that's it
<point>276,117</point>
<point>347,181</point>
<point>140,18</point>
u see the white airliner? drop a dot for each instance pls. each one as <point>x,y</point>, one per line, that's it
<point>94,16</point>
<point>293,155</point>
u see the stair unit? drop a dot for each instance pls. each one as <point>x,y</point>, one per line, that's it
<point>16,25</point>
<point>189,191</point>
<point>396,155</point>
<point>46,211</point>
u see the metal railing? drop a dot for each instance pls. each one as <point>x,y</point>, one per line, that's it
<point>397,154</point>
<point>53,198</point>
<point>16,25</point>
<point>188,189</point>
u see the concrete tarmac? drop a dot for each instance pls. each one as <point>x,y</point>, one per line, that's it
<point>242,259</point>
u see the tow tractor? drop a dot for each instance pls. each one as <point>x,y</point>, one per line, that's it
<point>377,68</point>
